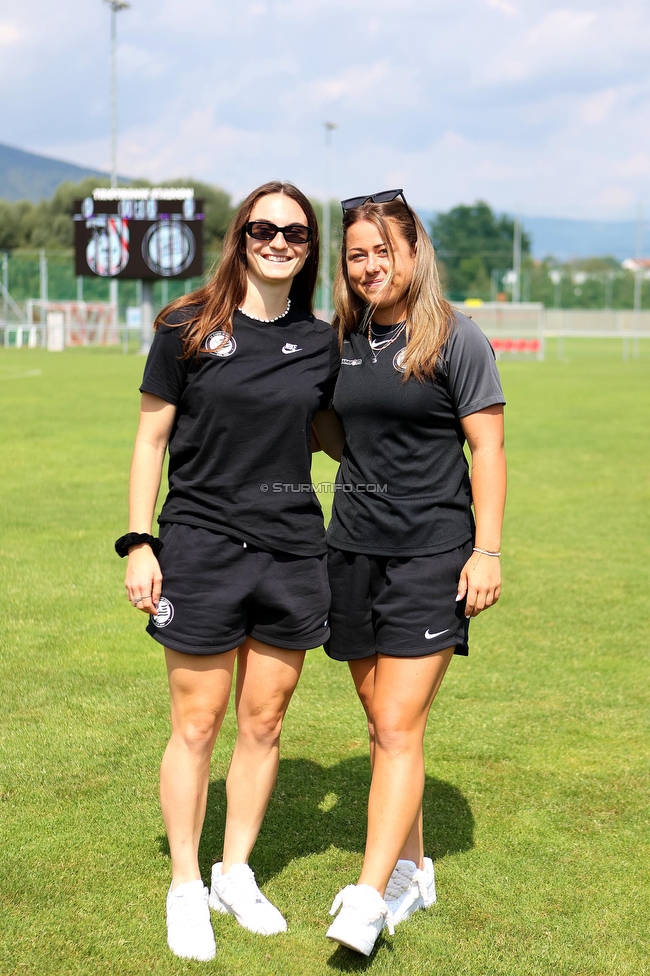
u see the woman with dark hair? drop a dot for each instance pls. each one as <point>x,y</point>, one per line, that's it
<point>234,377</point>
<point>408,565</point>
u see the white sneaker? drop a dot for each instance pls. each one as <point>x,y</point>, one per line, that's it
<point>362,917</point>
<point>189,932</point>
<point>238,894</point>
<point>409,888</point>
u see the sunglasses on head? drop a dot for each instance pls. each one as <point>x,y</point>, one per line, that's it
<point>386,196</point>
<point>264,230</point>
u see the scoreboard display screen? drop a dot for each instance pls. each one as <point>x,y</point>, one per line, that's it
<point>151,232</point>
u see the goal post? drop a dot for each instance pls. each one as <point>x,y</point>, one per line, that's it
<point>84,323</point>
<point>515,329</point>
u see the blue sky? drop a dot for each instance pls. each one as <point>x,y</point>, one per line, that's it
<point>537,106</point>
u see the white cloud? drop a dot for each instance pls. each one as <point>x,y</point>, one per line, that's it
<point>505,7</point>
<point>545,103</point>
<point>364,84</point>
<point>596,108</point>
<point>560,28</point>
<point>9,34</point>
<point>133,61</point>
<point>637,165</point>
<point>613,199</point>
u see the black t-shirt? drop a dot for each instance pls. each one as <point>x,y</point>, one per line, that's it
<point>240,447</point>
<point>403,487</point>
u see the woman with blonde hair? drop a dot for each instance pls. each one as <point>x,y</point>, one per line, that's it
<point>408,564</point>
<point>236,373</point>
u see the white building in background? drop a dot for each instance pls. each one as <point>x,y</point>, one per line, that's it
<point>637,264</point>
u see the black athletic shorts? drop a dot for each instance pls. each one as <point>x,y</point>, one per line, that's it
<point>217,589</point>
<point>402,607</point>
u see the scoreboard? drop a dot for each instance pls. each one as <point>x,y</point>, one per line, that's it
<point>131,232</point>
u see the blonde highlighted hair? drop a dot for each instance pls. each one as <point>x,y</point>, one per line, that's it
<point>212,307</point>
<point>429,316</point>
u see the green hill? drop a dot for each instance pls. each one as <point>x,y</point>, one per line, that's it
<point>27,176</point>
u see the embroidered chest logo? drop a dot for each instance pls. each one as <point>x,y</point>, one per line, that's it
<point>351,362</point>
<point>290,347</point>
<point>398,361</point>
<point>220,344</point>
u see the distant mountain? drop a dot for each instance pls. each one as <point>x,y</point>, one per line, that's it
<point>26,176</point>
<point>566,239</point>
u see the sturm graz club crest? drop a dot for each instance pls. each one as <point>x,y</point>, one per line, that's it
<point>220,344</point>
<point>165,613</point>
<point>398,360</point>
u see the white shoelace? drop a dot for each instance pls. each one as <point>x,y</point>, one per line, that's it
<point>352,897</point>
<point>188,904</point>
<point>401,880</point>
<point>244,883</point>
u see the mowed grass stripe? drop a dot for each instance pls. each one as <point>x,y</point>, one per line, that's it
<point>537,749</point>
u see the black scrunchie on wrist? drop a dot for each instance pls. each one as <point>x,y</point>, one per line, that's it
<point>125,542</point>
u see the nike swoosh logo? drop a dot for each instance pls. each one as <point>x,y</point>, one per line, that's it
<point>288,352</point>
<point>429,636</point>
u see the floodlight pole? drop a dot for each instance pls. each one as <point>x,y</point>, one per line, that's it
<point>146,322</point>
<point>516,259</point>
<point>5,287</point>
<point>325,258</point>
<point>115,5</point>
<point>609,287</point>
<point>638,279</point>
<point>556,279</point>
<point>42,269</point>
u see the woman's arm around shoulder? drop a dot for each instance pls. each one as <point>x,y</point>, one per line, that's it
<point>328,433</point>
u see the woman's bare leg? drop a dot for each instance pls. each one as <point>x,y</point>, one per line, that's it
<point>266,679</point>
<point>363,675</point>
<point>199,687</point>
<point>403,693</point>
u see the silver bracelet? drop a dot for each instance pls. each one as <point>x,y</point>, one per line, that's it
<point>486,552</point>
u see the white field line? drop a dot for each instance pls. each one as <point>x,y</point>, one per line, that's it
<point>5,374</point>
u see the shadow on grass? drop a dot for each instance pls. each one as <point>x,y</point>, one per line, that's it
<point>347,961</point>
<point>314,808</point>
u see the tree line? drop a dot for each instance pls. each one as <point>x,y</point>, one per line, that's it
<point>48,224</point>
<point>474,247</point>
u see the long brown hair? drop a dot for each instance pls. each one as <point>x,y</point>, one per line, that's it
<point>429,316</point>
<point>212,307</point>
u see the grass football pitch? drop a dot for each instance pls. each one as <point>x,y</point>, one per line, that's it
<point>538,747</point>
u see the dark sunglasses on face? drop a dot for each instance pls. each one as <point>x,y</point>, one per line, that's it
<point>386,196</point>
<point>264,230</point>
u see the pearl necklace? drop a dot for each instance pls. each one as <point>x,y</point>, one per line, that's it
<point>257,319</point>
